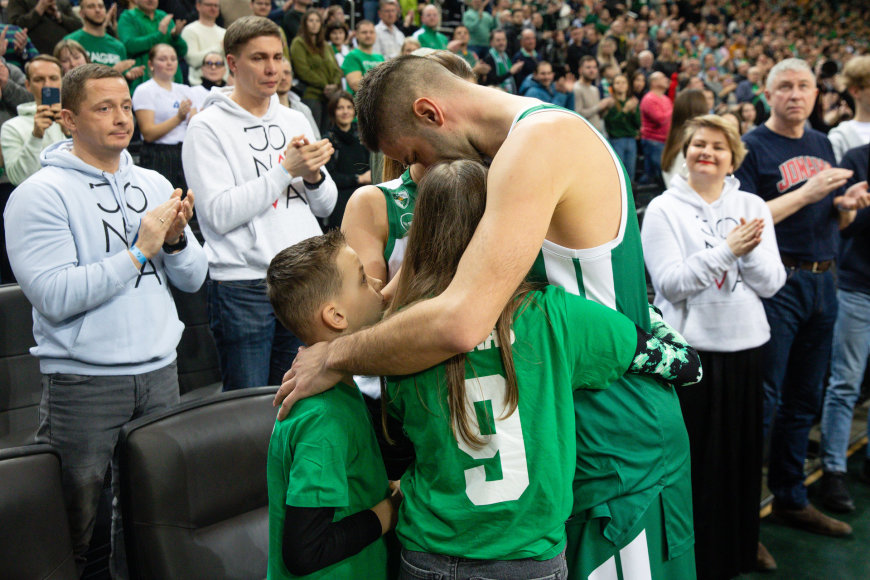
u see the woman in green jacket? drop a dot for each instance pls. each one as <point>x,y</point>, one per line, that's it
<point>622,123</point>
<point>315,65</point>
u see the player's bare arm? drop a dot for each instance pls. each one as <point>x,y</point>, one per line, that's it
<point>366,229</point>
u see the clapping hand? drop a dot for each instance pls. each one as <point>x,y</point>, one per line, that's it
<point>745,237</point>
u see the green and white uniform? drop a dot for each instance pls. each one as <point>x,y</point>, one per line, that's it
<point>509,499</point>
<point>632,446</point>
<point>401,197</point>
<point>325,455</point>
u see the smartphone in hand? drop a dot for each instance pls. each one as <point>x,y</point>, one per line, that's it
<point>50,95</point>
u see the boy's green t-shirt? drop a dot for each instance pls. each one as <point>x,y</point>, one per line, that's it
<point>325,454</point>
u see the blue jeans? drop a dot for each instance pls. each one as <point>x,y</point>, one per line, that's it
<point>81,416</point>
<point>851,347</point>
<point>255,349</point>
<point>652,161</point>
<point>424,566</point>
<point>801,317</point>
<point>626,149</point>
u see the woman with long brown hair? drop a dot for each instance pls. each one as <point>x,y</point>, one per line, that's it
<point>314,64</point>
<point>689,104</point>
<point>492,429</point>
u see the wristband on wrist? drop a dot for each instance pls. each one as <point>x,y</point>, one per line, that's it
<point>137,253</point>
<point>177,246</point>
<point>309,185</point>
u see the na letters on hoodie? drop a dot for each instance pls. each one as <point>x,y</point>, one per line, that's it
<point>135,200</point>
<point>265,141</point>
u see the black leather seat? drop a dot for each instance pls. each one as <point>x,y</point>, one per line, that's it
<point>20,379</point>
<point>34,530</point>
<point>193,488</point>
<point>199,373</point>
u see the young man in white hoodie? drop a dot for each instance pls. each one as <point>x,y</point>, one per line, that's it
<point>94,242</point>
<point>261,181</point>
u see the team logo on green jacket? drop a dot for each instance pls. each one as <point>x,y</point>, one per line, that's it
<point>401,198</point>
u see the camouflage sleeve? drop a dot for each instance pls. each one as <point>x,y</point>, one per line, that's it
<point>664,353</point>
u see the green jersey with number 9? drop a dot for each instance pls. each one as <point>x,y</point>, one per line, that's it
<point>509,499</point>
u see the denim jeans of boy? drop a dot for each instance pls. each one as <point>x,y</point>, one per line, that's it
<point>424,566</point>
<point>848,361</point>
<point>801,317</point>
<point>255,349</point>
<point>81,416</point>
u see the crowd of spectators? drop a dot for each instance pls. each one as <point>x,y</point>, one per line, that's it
<point>641,73</point>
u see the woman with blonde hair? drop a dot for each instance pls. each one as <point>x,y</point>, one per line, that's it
<point>711,252</point>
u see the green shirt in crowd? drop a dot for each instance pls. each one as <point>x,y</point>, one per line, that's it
<point>325,454</point>
<point>431,38</point>
<point>139,33</point>
<point>479,26</point>
<point>621,124</point>
<point>106,49</point>
<point>315,68</point>
<point>357,60</point>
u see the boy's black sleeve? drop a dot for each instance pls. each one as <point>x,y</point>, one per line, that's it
<point>312,541</point>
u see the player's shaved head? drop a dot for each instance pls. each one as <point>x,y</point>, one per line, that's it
<point>386,95</point>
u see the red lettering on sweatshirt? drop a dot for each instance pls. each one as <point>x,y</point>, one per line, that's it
<point>799,169</point>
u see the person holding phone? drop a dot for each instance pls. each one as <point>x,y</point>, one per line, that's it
<point>37,125</point>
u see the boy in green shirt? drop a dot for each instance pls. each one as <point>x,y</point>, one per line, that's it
<point>329,498</point>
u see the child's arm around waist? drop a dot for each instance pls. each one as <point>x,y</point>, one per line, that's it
<point>312,541</point>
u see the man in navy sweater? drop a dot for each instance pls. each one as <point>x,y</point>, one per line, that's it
<point>792,168</point>
<point>851,346</point>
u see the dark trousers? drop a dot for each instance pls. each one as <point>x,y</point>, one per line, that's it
<point>81,416</point>
<point>723,418</point>
<point>801,317</point>
<point>254,348</point>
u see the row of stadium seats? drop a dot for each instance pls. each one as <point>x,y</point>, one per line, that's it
<point>193,495</point>
<point>193,479</point>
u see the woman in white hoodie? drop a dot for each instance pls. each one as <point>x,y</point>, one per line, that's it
<point>711,253</point>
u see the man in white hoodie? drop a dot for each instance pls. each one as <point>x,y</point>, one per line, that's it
<point>261,183</point>
<point>94,242</point>
<point>23,138</point>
